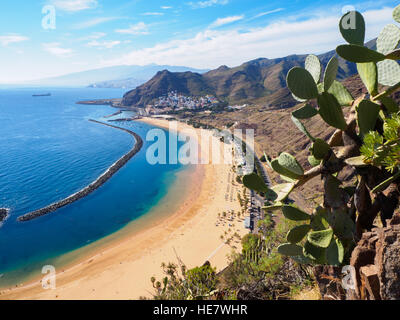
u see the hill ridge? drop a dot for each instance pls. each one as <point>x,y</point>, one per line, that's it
<point>261,81</point>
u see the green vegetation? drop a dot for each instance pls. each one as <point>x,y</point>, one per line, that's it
<point>366,142</point>
<point>181,284</point>
<point>384,150</point>
<point>276,263</point>
<point>258,272</point>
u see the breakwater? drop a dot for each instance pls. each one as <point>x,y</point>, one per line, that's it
<point>94,185</point>
<point>3,214</point>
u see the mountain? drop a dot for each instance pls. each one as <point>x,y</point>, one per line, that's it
<point>187,83</point>
<point>130,83</point>
<point>110,77</point>
<point>261,81</point>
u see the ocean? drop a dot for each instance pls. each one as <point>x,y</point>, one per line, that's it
<point>48,151</point>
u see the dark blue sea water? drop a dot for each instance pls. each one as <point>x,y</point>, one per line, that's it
<point>48,151</point>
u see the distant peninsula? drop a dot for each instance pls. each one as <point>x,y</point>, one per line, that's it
<point>116,103</point>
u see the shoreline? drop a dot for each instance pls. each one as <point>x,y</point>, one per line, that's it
<point>123,268</point>
<point>103,178</point>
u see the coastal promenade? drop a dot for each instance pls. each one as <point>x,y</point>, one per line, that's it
<point>93,186</point>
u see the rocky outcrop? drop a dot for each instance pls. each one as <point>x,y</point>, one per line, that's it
<point>3,214</point>
<point>329,282</point>
<point>376,260</point>
<point>374,268</point>
<point>93,186</point>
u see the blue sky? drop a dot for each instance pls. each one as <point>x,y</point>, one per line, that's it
<point>92,34</point>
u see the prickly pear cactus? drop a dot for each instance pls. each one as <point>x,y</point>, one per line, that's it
<point>367,141</point>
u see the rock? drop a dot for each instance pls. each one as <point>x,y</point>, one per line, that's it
<point>3,214</point>
<point>362,255</point>
<point>329,282</point>
<point>370,283</point>
<point>377,264</point>
<point>388,264</point>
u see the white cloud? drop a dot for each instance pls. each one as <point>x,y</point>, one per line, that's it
<point>152,14</point>
<point>136,29</point>
<point>93,22</point>
<point>166,7</point>
<point>55,49</point>
<point>103,44</point>
<point>74,5</point>
<point>207,3</point>
<point>223,21</point>
<point>262,14</point>
<point>212,48</point>
<point>13,38</point>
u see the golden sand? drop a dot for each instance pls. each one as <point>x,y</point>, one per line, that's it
<point>191,234</point>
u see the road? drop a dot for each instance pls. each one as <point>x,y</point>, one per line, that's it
<point>257,201</point>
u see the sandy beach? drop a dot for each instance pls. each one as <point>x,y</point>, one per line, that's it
<point>192,234</point>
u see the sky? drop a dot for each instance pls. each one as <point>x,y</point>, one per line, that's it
<point>46,38</point>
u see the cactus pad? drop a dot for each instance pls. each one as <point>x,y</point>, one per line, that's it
<point>256,183</point>
<point>388,39</point>
<point>288,249</point>
<point>295,214</point>
<point>302,128</point>
<point>312,252</point>
<point>359,54</point>
<point>330,73</point>
<point>319,149</point>
<point>301,83</point>
<point>331,111</point>
<point>396,14</point>
<point>313,66</point>
<point>388,72</point>
<point>298,233</point>
<point>290,163</point>
<point>390,105</point>
<point>335,253</point>
<point>305,112</point>
<point>320,239</point>
<point>352,28</point>
<point>367,114</point>
<point>282,190</point>
<point>342,224</point>
<point>313,161</point>
<point>369,75</point>
<point>341,94</point>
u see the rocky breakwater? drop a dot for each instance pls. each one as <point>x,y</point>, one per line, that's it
<point>93,186</point>
<point>3,214</point>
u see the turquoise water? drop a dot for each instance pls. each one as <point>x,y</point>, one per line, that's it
<point>48,151</point>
